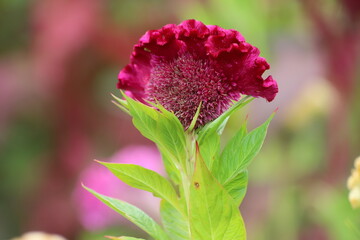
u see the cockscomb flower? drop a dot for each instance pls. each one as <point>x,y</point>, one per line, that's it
<point>181,66</point>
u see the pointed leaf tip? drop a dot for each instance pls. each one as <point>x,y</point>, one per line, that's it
<point>195,118</point>
<point>133,214</point>
<point>101,162</point>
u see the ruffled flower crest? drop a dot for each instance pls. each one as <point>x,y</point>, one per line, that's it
<point>181,66</point>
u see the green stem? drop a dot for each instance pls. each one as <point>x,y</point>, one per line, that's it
<point>187,171</point>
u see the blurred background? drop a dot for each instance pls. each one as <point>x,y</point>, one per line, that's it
<point>59,61</point>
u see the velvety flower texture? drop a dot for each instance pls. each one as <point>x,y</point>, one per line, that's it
<point>182,65</point>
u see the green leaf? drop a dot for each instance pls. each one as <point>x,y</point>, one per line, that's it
<point>171,134</point>
<point>195,118</point>
<point>145,179</point>
<point>208,136</point>
<point>120,103</point>
<point>175,224</point>
<point>219,123</point>
<point>213,213</point>
<point>170,167</point>
<point>221,170</point>
<point>237,187</point>
<point>210,149</point>
<point>144,118</point>
<point>163,128</point>
<point>239,152</point>
<point>234,144</point>
<point>133,214</point>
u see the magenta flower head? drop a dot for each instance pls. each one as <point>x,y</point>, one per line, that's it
<point>181,66</point>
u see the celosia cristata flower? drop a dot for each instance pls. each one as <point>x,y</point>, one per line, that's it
<point>353,184</point>
<point>181,66</point>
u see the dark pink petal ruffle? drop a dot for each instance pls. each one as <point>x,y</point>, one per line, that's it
<point>166,57</point>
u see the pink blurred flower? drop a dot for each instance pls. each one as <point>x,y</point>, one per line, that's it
<point>61,29</point>
<point>183,65</point>
<point>11,92</point>
<point>93,214</point>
